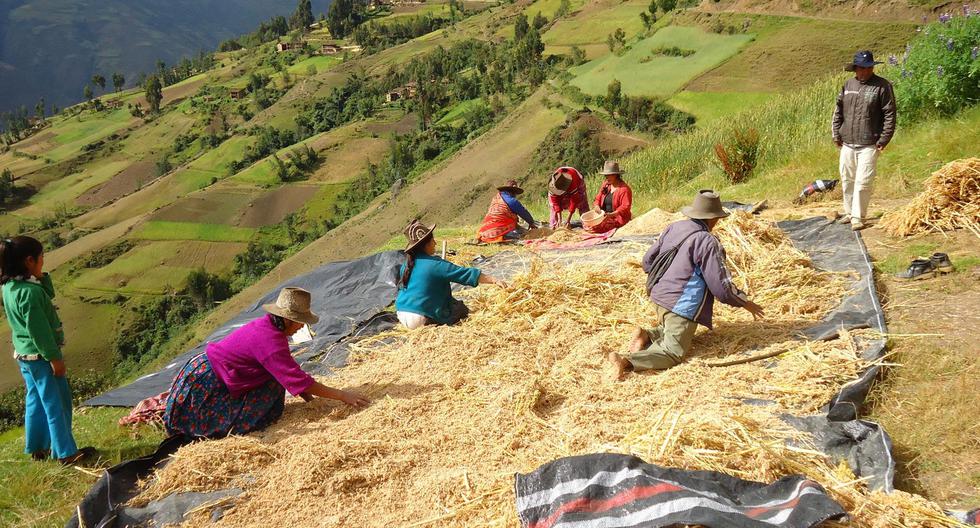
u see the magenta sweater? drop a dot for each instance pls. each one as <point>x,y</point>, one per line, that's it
<point>254,354</point>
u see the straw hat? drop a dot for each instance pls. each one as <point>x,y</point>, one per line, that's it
<point>611,167</point>
<point>561,180</point>
<point>293,304</point>
<point>511,187</point>
<point>706,205</point>
<point>416,233</point>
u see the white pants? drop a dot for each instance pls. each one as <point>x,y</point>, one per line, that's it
<point>858,166</point>
<point>412,320</point>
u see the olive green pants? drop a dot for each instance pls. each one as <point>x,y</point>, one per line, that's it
<point>669,343</point>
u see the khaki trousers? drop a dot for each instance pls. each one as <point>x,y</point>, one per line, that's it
<point>669,343</point>
<point>858,167</point>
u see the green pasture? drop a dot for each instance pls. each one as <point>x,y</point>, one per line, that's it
<point>642,73</point>
<point>263,173</point>
<point>592,26</point>
<point>457,112</point>
<point>67,189</point>
<point>321,62</point>
<point>320,207</point>
<point>709,107</point>
<point>163,230</point>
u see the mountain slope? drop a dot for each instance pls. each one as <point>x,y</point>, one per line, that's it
<point>50,48</point>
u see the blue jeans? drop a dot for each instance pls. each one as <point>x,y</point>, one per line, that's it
<point>47,415</point>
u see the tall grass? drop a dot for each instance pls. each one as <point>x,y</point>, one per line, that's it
<point>787,125</point>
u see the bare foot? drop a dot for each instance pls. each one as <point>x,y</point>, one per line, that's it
<point>641,340</point>
<point>620,365</point>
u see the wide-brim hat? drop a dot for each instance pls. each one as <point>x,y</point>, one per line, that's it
<point>706,205</point>
<point>611,167</point>
<point>560,181</point>
<point>863,59</point>
<point>293,304</point>
<point>511,187</point>
<point>417,233</point>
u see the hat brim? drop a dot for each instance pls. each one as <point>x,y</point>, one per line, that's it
<point>850,67</point>
<point>299,317</point>
<point>689,212</point>
<point>512,190</point>
<point>604,173</point>
<point>428,233</point>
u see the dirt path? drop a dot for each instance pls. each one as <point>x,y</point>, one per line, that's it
<point>91,242</point>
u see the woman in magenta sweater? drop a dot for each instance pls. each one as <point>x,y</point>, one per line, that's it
<point>238,385</point>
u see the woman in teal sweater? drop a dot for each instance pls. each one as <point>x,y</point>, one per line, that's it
<point>37,338</point>
<point>425,282</point>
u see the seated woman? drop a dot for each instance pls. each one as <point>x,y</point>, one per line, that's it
<point>424,284</point>
<point>615,199</point>
<point>238,385</point>
<point>500,223</point>
<point>566,192</point>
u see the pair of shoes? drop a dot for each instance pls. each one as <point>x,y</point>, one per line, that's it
<point>41,456</point>
<point>923,268</point>
<point>941,262</point>
<point>82,455</point>
<point>843,219</point>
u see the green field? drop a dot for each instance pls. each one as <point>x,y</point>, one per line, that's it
<point>321,62</point>
<point>657,75</point>
<point>456,113</point>
<point>591,25</point>
<point>320,207</point>
<point>709,107</point>
<point>163,230</point>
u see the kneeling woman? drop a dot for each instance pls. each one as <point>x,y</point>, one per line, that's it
<point>424,284</point>
<point>238,385</point>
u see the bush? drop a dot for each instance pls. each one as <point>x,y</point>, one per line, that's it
<point>739,159</point>
<point>940,70</point>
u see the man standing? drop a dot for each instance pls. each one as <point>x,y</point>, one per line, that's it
<point>864,122</point>
<point>686,290</point>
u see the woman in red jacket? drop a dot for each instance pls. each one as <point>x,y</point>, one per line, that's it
<point>615,199</point>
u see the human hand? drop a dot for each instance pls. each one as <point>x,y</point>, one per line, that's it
<point>307,397</point>
<point>754,309</point>
<point>881,148</point>
<point>354,399</point>
<point>59,368</point>
<point>839,143</point>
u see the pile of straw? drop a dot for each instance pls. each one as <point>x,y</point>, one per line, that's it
<point>951,200</point>
<point>458,410</point>
<point>649,223</point>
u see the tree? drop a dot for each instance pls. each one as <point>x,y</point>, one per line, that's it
<point>39,109</point>
<point>87,92</point>
<point>539,21</point>
<point>118,81</point>
<point>302,18</point>
<point>652,8</point>
<point>520,27</point>
<point>99,81</point>
<point>667,5</point>
<point>563,8</point>
<point>343,16</point>
<point>614,96</point>
<point>6,186</point>
<point>577,56</point>
<point>154,92</point>
<point>645,18</point>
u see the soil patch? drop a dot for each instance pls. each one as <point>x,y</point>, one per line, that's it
<point>406,124</point>
<point>130,180</point>
<point>273,206</point>
<point>208,207</point>
<point>175,94</point>
<point>347,160</point>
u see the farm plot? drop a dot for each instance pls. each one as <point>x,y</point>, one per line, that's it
<point>643,71</point>
<point>273,206</point>
<point>212,206</point>
<point>708,107</point>
<point>164,230</point>
<point>152,267</point>
<point>589,27</point>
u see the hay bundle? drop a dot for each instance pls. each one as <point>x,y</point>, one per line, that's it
<point>951,200</point>
<point>650,223</point>
<point>458,410</point>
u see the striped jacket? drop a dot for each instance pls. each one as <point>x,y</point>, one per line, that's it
<point>697,275</point>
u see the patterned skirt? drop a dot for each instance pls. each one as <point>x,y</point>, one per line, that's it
<point>200,405</point>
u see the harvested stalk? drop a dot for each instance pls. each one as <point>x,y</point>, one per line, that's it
<point>951,200</point>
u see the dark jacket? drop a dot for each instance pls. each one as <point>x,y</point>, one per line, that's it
<point>865,112</point>
<point>697,274</point>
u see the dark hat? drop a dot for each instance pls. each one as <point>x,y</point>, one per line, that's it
<point>511,187</point>
<point>561,180</point>
<point>864,59</point>
<point>706,205</point>
<point>610,167</point>
<point>416,233</point>
<point>293,304</point>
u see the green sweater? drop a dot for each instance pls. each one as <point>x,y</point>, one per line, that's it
<point>34,324</point>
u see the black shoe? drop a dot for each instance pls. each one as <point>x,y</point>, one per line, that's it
<point>941,262</point>
<point>82,455</point>
<point>919,269</point>
<point>41,456</point>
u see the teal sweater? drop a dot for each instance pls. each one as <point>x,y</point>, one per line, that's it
<point>429,290</point>
<point>34,324</point>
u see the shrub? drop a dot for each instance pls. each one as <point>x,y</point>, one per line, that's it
<point>739,159</point>
<point>940,70</point>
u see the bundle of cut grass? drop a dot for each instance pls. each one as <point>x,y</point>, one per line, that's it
<point>951,200</point>
<point>458,410</point>
<point>650,223</point>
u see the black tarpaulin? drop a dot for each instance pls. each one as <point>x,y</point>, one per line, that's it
<point>345,294</point>
<point>615,491</point>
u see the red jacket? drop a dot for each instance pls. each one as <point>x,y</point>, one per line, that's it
<point>622,205</point>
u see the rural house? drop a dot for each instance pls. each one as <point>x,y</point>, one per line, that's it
<point>330,49</point>
<point>290,46</point>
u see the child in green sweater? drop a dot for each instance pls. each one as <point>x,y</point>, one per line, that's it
<point>37,338</point>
